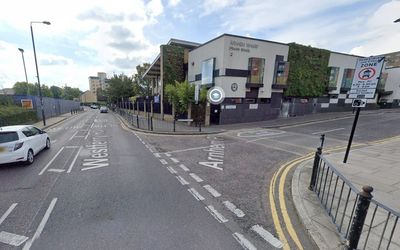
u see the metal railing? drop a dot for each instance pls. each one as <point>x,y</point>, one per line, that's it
<point>361,221</point>
<point>148,123</point>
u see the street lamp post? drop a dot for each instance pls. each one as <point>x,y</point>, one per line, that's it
<point>37,71</point>
<point>397,21</point>
<point>23,61</point>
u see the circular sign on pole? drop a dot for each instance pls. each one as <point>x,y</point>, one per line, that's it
<point>366,73</point>
<point>215,95</point>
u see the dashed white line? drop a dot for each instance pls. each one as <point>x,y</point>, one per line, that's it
<point>231,207</point>
<point>219,217</point>
<point>181,180</point>
<point>164,162</point>
<point>245,243</point>
<point>327,131</point>
<point>8,212</point>
<point>151,150</point>
<point>212,191</point>
<point>267,236</point>
<point>196,177</point>
<point>171,170</point>
<point>167,154</point>
<point>196,194</point>
<point>51,161</point>
<point>183,167</point>
<point>73,135</point>
<point>12,239</point>
<point>157,155</point>
<point>87,134</point>
<point>40,228</point>
<point>91,126</point>
<point>71,146</point>
<point>73,162</point>
<point>56,170</point>
<point>174,160</point>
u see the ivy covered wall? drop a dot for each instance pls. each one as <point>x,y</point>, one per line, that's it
<point>173,60</point>
<point>308,72</point>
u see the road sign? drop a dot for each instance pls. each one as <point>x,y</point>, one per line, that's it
<point>216,95</point>
<point>359,103</point>
<point>366,77</point>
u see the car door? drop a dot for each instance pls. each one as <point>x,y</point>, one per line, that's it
<point>29,140</point>
<point>39,138</point>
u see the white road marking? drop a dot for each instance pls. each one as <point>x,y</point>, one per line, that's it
<point>327,131</point>
<point>231,207</point>
<point>207,164</point>
<point>164,162</point>
<point>196,194</point>
<point>267,236</point>
<point>181,180</point>
<point>73,161</point>
<point>184,168</point>
<point>167,154</point>
<point>73,135</point>
<point>151,150</point>
<point>87,134</point>
<point>196,177</point>
<point>40,228</point>
<point>8,212</point>
<point>80,136</point>
<point>212,191</point>
<point>187,149</point>
<point>56,170</point>
<point>51,161</point>
<point>91,126</point>
<point>219,217</point>
<point>245,243</point>
<point>259,133</point>
<point>174,160</point>
<point>157,155</point>
<point>171,170</point>
<point>53,141</point>
<point>12,239</point>
<point>71,146</point>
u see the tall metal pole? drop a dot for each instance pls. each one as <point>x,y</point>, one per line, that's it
<point>351,135</point>
<point>23,61</point>
<point>37,73</point>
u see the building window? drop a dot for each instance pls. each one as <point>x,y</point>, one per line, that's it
<point>347,78</point>
<point>256,69</point>
<point>282,72</point>
<point>207,71</point>
<point>333,76</point>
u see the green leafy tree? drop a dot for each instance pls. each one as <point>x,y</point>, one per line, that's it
<point>46,92</point>
<point>70,93</point>
<point>56,92</point>
<point>33,89</point>
<point>21,88</point>
<point>120,86</point>
<point>140,86</point>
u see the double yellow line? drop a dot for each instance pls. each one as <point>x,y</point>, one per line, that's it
<point>280,176</point>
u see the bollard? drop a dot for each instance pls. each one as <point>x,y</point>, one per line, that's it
<point>151,123</point>
<point>315,168</point>
<point>322,141</point>
<point>359,216</point>
<point>199,126</point>
<point>137,121</point>
<point>174,124</point>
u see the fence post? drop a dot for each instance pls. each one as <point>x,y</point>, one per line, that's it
<point>359,217</point>
<point>174,124</point>
<point>315,168</point>
<point>137,121</point>
<point>151,123</point>
<point>199,126</point>
<point>322,140</point>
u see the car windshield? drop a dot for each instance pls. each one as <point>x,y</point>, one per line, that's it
<point>8,137</point>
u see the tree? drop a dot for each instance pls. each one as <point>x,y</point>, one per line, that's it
<point>121,86</point>
<point>21,88</point>
<point>70,93</point>
<point>140,86</point>
<point>46,91</point>
<point>56,91</point>
<point>181,96</point>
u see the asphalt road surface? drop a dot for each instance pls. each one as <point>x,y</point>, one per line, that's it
<point>100,187</point>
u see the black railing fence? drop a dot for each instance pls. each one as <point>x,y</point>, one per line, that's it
<point>147,122</point>
<point>362,222</point>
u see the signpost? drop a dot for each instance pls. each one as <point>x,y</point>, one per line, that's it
<point>363,87</point>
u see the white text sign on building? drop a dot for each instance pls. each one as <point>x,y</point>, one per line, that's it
<point>366,77</point>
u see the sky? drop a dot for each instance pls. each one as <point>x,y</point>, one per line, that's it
<point>90,36</point>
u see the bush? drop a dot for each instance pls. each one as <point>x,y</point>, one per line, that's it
<point>13,115</point>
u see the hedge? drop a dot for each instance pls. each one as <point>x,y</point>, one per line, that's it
<point>14,115</point>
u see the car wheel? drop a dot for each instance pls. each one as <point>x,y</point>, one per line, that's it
<point>48,144</point>
<point>30,157</point>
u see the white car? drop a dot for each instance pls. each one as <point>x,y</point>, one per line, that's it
<point>21,143</point>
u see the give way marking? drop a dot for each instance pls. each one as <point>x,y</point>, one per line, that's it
<point>10,238</point>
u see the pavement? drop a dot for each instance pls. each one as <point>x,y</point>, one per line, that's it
<point>374,164</point>
<point>53,121</point>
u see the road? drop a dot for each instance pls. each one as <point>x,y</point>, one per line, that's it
<point>103,186</point>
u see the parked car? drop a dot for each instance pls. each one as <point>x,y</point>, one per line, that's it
<point>21,143</point>
<point>93,106</point>
<point>103,109</point>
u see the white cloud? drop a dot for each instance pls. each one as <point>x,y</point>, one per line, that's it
<point>211,6</point>
<point>173,2</point>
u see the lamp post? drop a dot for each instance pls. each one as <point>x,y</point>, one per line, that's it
<point>23,61</point>
<point>37,70</point>
<point>397,21</point>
